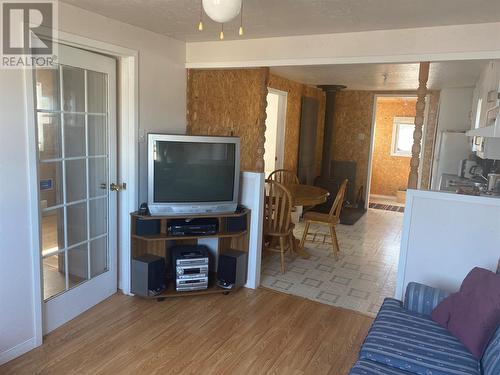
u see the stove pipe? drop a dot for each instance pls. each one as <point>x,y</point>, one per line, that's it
<point>326,159</point>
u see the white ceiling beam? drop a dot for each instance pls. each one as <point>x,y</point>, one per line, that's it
<point>458,42</point>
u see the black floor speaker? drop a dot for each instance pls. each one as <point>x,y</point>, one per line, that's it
<point>232,269</point>
<point>148,275</point>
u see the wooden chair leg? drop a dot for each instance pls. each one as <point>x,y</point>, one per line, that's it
<point>335,242</point>
<point>282,248</point>
<point>304,235</point>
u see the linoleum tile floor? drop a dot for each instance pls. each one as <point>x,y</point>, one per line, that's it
<point>359,280</point>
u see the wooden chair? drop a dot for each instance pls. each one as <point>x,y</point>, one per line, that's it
<point>277,224</point>
<point>331,219</point>
<point>286,177</point>
<point>283,176</point>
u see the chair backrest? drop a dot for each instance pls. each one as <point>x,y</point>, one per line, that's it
<point>283,176</point>
<point>337,203</point>
<point>277,209</point>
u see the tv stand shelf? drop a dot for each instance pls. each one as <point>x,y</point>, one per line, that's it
<point>166,237</point>
<point>160,244</point>
<point>170,292</point>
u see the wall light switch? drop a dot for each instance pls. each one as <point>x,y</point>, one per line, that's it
<point>361,136</point>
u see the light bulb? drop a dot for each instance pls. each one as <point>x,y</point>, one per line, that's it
<point>240,31</point>
<point>200,26</point>
<point>221,35</point>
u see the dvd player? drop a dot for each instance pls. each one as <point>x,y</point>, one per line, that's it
<point>193,227</point>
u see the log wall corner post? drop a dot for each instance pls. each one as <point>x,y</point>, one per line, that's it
<point>423,76</point>
<point>261,140</point>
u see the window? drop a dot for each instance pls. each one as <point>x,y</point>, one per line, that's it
<point>402,136</point>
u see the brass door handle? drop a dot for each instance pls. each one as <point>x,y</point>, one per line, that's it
<point>117,187</point>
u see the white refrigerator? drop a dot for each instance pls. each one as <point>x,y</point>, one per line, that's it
<point>451,148</point>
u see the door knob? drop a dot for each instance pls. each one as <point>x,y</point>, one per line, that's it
<point>117,187</point>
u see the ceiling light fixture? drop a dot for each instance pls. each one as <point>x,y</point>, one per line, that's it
<point>221,35</point>
<point>240,30</point>
<point>200,24</point>
<point>222,11</point>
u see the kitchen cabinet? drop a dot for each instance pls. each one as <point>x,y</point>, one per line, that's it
<point>485,118</point>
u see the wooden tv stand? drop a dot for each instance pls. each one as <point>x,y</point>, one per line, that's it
<point>160,244</point>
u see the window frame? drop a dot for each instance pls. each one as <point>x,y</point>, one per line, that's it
<point>397,121</point>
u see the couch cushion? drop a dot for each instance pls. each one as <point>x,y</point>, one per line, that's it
<point>491,357</point>
<point>366,367</point>
<point>413,342</point>
<point>473,313</point>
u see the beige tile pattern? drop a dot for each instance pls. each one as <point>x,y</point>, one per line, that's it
<point>363,276</point>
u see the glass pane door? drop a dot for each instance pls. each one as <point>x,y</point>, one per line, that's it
<point>72,114</point>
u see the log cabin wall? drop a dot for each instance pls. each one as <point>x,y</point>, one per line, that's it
<point>352,131</point>
<point>295,92</point>
<point>229,102</point>
<point>430,139</point>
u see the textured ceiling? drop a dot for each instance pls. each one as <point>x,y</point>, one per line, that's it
<point>448,74</point>
<point>268,18</point>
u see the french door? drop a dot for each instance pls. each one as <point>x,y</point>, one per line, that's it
<point>76,136</point>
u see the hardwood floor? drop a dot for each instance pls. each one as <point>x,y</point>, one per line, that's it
<point>248,332</point>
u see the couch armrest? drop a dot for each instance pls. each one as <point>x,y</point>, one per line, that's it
<point>423,299</point>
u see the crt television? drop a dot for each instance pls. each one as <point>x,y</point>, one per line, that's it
<point>192,174</point>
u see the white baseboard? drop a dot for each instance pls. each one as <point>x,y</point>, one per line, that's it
<point>17,350</point>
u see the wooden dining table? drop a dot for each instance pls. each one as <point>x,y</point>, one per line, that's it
<point>306,196</point>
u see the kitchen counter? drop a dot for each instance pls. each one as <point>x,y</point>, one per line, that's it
<point>444,236</point>
<point>451,183</point>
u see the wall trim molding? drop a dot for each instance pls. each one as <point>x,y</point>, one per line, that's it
<point>252,196</point>
<point>18,350</point>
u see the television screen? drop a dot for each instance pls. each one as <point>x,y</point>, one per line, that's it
<point>193,172</point>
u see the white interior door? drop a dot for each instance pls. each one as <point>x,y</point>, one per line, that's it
<point>76,136</point>
<point>275,130</point>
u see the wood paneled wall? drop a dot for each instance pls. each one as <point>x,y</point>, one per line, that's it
<point>232,102</point>
<point>389,173</point>
<point>229,102</point>
<point>352,127</point>
<point>352,131</point>
<point>295,92</point>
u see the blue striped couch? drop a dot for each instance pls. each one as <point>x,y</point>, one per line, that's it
<point>403,340</point>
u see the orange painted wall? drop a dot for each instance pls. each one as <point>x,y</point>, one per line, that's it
<point>389,173</point>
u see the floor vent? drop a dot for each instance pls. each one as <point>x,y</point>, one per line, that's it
<point>387,207</point>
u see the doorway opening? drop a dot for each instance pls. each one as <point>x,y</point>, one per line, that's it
<point>392,141</point>
<point>275,130</point>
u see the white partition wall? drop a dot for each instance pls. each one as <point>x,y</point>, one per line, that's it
<point>445,235</point>
<point>252,196</point>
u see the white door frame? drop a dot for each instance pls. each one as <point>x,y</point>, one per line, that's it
<point>281,126</point>
<point>127,132</point>
<point>372,138</point>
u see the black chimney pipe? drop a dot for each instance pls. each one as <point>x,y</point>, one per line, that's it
<point>326,160</point>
